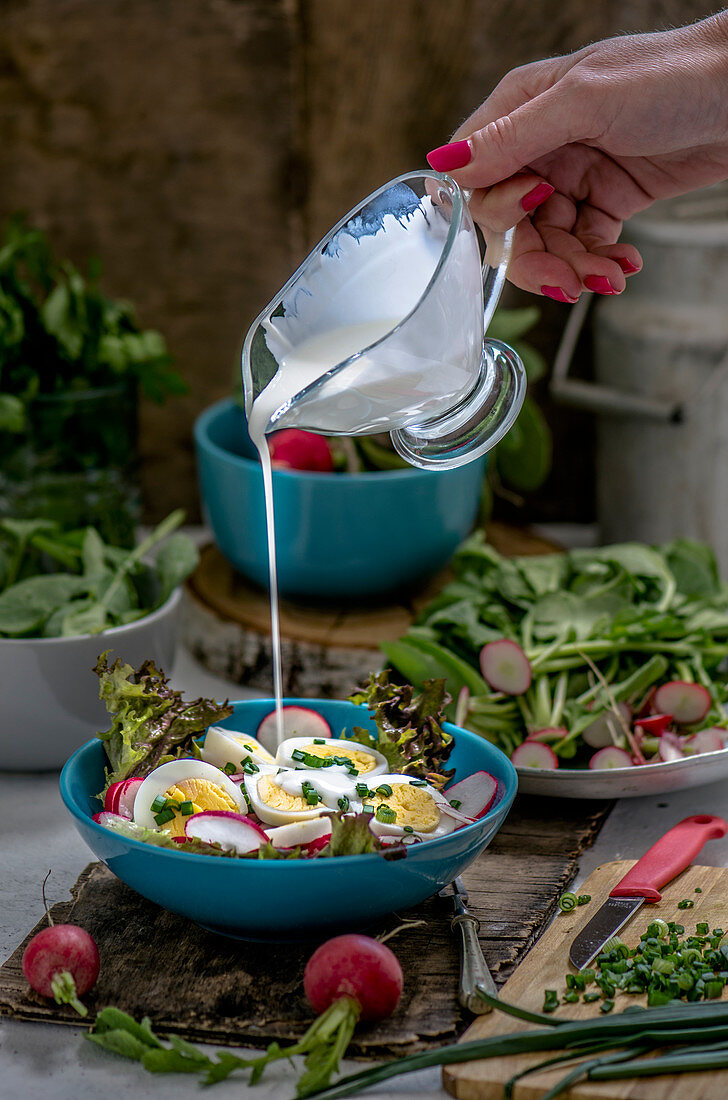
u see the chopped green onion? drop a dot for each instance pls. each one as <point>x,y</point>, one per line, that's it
<point>583,899</point>
<point>455,803</point>
<point>701,928</point>
<point>229,768</point>
<point>686,903</point>
<point>164,817</point>
<point>408,828</point>
<point>418,782</point>
<point>298,754</point>
<point>698,889</point>
<point>319,740</point>
<point>367,809</point>
<point>606,1006</point>
<point>384,791</point>
<point>343,803</point>
<point>362,790</point>
<point>187,808</point>
<point>385,814</point>
<point>567,902</point>
<point>159,804</point>
<point>550,1000</point>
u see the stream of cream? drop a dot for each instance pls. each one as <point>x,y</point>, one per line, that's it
<point>300,367</point>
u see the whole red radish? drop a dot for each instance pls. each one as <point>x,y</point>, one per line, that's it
<point>358,967</point>
<point>62,962</point>
<point>293,449</point>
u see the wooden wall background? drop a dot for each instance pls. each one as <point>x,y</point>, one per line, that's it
<point>200,147</point>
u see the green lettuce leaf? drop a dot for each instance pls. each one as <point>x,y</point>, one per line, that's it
<point>411,737</point>
<point>351,836</point>
<point>151,723</point>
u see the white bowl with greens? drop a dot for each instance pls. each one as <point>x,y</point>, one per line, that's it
<point>65,598</point>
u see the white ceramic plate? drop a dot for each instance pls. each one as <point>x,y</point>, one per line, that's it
<point>646,779</point>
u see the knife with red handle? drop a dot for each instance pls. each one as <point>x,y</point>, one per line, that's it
<point>660,864</point>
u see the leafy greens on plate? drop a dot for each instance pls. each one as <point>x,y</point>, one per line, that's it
<point>597,627</point>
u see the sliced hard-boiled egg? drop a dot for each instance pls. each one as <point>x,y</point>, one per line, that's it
<point>331,755</point>
<point>233,751</point>
<point>288,795</point>
<point>179,788</point>
<point>402,805</point>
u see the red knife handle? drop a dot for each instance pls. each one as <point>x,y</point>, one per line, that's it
<point>668,856</point>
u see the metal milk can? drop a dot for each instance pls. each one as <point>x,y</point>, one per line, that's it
<point>661,380</point>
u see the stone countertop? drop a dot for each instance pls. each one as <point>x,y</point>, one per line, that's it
<point>41,1060</point>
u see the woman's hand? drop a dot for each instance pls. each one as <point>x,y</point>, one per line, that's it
<point>570,147</point>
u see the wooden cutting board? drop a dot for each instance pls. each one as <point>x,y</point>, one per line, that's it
<point>546,966</point>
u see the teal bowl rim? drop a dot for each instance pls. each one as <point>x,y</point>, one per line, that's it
<point>202,439</point>
<point>501,806</point>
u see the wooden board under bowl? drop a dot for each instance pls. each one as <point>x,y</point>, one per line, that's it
<point>546,966</point>
<point>328,648</point>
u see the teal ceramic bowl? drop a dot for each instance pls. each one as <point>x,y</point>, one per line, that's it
<point>289,899</point>
<point>337,535</point>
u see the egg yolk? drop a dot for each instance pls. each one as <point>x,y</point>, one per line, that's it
<point>203,795</point>
<point>413,806</point>
<point>278,799</point>
<point>363,761</point>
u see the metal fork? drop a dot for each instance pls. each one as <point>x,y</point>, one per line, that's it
<point>473,967</point>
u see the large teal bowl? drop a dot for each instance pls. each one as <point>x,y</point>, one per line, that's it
<point>289,899</point>
<point>350,535</point>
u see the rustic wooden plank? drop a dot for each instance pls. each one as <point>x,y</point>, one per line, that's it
<point>207,987</point>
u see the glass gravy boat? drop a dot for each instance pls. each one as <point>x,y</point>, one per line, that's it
<point>382,328</point>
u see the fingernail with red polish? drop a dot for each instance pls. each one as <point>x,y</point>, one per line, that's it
<point>600,284</point>
<point>448,157</point>
<point>535,197</point>
<point>557,294</point>
<point>627,266</point>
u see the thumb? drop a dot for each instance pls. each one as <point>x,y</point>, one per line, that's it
<point>508,144</point>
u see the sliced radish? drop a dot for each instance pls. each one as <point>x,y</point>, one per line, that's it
<point>475,793</point>
<point>105,817</point>
<point>230,830</point>
<point>505,667</point>
<point>304,833</point>
<point>670,747</point>
<point>549,735</point>
<point>610,757</point>
<point>653,725</point>
<point>687,703</point>
<point>294,449</point>
<point>534,754</point>
<point>711,739</point>
<point>607,728</point>
<point>296,721</point>
<point>120,797</point>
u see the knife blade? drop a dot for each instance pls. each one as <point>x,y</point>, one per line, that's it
<point>473,967</point>
<point>660,864</point>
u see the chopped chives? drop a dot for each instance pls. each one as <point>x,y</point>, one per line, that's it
<point>550,1000</point>
<point>319,741</point>
<point>385,814</point>
<point>362,790</point>
<point>385,790</point>
<point>418,782</point>
<point>187,808</point>
<point>367,809</point>
<point>159,804</point>
<point>583,899</point>
<point>343,803</point>
<point>229,768</point>
<point>455,803</point>
<point>567,902</point>
<point>164,817</point>
<point>408,828</point>
<point>298,754</point>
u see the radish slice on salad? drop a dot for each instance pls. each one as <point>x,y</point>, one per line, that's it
<point>712,739</point>
<point>670,747</point>
<point>611,757</point>
<point>534,754</point>
<point>603,730</point>
<point>300,832</point>
<point>230,830</point>
<point>549,735</point>
<point>106,817</point>
<point>296,721</point>
<point>654,725</point>
<point>119,798</point>
<point>686,702</point>
<point>505,667</point>
<point>473,795</point>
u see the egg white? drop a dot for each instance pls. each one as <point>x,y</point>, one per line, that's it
<point>223,747</point>
<point>446,824</point>
<point>168,775</point>
<point>330,786</point>
<point>340,747</point>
